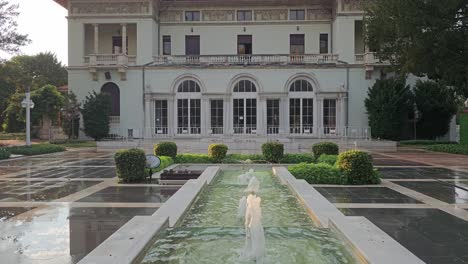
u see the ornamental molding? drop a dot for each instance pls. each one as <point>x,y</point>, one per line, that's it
<point>172,16</point>
<point>110,7</point>
<point>319,14</point>
<point>351,5</point>
<point>271,14</point>
<point>218,15</point>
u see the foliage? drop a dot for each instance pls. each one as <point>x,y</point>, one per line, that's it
<point>357,167</point>
<point>71,116</point>
<point>12,136</point>
<point>451,148</point>
<point>194,158</point>
<point>464,129</point>
<point>436,104</point>
<point>328,148</point>
<point>77,144</point>
<point>165,149</point>
<point>388,105</point>
<point>217,151</point>
<point>273,151</point>
<point>96,110</point>
<point>130,164</point>
<point>243,157</point>
<point>318,173</point>
<point>48,102</point>
<point>296,158</point>
<point>424,142</point>
<point>328,159</point>
<point>421,37</point>
<point>10,39</point>
<point>165,162</point>
<point>36,149</point>
<point>4,153</point>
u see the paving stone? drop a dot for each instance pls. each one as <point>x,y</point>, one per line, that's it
<point>364,195</point>
<point>124,194</point>
<point>446,192</point>
<point>422,173</point>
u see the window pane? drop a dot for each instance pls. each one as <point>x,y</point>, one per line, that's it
<point>192,15</point>
<point>217,113</point>
<point>160,116</point>
<point>192,45</point>
<point>238,116</point>
<point>329,116</point>
<point>195,116</point>
<point>166,45</point>
<point>244,44</point>
<point>323,43</point>
<point>295,115</point>
<point>182,115</point>
<point>273,115</point>
<point>251,115</point>
<point>297,14</point>
<point>297,44</point>
<point>244,15</point>
<point>307,115</point>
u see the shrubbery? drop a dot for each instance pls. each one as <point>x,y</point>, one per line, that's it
<point>36,149</point>
<point>328,148</point>
<point>165,162</point>
<point>451,148</point>
<point>318,173</point>
<point>217,152</point>
<point>168,149</point>
<point>131,164</point>
<point>296,158</point>
<point>273,151</point>
<point>96,111</point>
<point>194,158</point>
<point>357,167</point>
<point>4,153</point>
<point>424,142</point>
<point>328,159</point>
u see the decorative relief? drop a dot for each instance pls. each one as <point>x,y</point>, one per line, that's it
<point>319,14</point>
<point>218,15</point>
<point>172,16</point>
<point>140,7</point>
<point>271,14</point>
<point>352,5</point>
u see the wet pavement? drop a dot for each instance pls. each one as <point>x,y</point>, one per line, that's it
<point>57,208</point>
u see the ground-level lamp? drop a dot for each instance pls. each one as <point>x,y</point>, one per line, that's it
<point>28,104</point>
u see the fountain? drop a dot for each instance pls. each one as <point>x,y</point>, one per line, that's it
<point>242,208</point>
<point>245,178</point>
<point>254,249</point>
<point>254,186</point>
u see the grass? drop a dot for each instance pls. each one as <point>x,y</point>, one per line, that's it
<point>77,144</point>
<point>36,149</point>
<point>449,148</point>
<point>12,136</point>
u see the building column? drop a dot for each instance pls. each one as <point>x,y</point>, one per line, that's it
<point>124,39</point>
<point>227,116</point>
<point>284,116</point>
<point>261,116</point>
<point>172,115</point>
<point>204,117</point>
<point>96,39</point>
<point>148,119</point>
<point>343,112</point>
<point>318,116</point>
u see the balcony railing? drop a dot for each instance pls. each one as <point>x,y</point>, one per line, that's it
<point>369,58</point>
<point>109,60</point>
<point>246,59</point>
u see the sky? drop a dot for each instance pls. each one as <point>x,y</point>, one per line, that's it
<point>46,24</point>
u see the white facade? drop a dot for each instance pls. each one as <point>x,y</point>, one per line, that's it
<point>305,77</point>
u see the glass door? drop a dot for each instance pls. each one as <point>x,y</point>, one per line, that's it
<point>245,116</point>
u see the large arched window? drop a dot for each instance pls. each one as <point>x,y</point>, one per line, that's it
<point>301,107</point>
<point>188,107</point>
<point>301,86</point>
<point>114,92</point>
<point>244,107</point>
<point>245,86</point>
<point>189,86</point>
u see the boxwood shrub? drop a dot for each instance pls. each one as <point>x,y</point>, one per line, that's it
<point>217,151</point>
<point>194,158</point>
<point>36,149</point>
<point>357,167</point>
<point>296,158</point>
<point>168,149</point>
<point>4,153</point>
<point>328,159</point>
<point>328,148</point>
<point>450,148</point>
<point>318,173</point>
<point>131,164</point>
<point>273,151</point>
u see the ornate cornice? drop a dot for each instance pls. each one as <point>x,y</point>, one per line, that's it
<point>110,7</point>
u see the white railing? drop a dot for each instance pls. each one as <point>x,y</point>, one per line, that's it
<point>245,59</point>
<point>304,130</point>
<point>109,59</point>
<point>189,130</point>
<point>273,130</point>
<point>359,58</point>
<point>217,130</point>
<point>113,120</point>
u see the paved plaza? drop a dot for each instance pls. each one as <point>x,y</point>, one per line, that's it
<point>57,208</point>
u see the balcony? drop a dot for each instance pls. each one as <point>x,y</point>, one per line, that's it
<point>206,60</point>
<point>369,58</point>
<point>109,60</point>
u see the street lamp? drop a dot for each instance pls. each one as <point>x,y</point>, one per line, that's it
<point>28,104</point>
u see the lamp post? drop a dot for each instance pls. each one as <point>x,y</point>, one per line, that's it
<point>28,104</point>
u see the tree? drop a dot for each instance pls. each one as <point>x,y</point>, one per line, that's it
<point>437,104</point>
<point>71,116</point>
<point>10,39</point>
<point>96,111</point>
<point>388,104</point>
<point>421,37</point>
<point>48,102</point>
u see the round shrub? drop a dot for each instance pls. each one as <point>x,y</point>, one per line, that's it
<point>4,153</point>
<point>327,159</point>
<point>217,151</point>
<point>130,165</point>
<point>273,151</point>
<point>168,149</point>
<point>357,167</point>
<point>328,148</point>
<point>318,173</point>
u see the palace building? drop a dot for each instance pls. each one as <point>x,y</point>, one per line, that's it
<point>285,69</point>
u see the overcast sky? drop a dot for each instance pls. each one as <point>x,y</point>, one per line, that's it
<point>46,24</point>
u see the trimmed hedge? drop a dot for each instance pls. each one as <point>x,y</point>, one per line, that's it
<point>194,158</point>
<point>273,151</point>
<point>424,142</point>
<point>328,148</point>
<point>357,167</point>
<point>131,164</point>
<point>318,173</point>
<point>296,158</point>
<point>452,148</point>
<point>168,149</point>
<point>165,162</point>
<point>242,157</point>
<point>36,149</point>
<point>4,153</point>
<point>328,159</point>
<point>217,151</point>
<point>463,128</point>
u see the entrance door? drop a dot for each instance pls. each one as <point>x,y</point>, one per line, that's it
<point>245,116</point>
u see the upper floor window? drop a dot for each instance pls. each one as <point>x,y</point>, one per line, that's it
<point>192,45</point>
<point>166,45</point>
<point>244,44</point>
<point>297,14</point>
<point>189,86</point>
<point>296,44</point>
<point>192,15</point>
<point>323,43</point>
<point>244,15</point>
<point>301,86</point>
<point>245,86</point>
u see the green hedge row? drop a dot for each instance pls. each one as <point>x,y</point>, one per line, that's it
<point>4,153</point>
<point>36,149</point>
<point>424,142</point>
<point>450,148</point>
<point>318,173</point>
<point>239,158</point>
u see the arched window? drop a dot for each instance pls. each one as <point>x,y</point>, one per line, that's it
<point>301,86</point>
<point>114,92</point>
<point>245,86</point>
<point>189,86</point>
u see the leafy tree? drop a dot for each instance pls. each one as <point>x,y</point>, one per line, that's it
<point>71,116</point>
<point>48,102</point>
<point>436,104</point>
<point>10,39</point>
<point>421,37</point>
<point>388,104</point>
<point>96,111</point>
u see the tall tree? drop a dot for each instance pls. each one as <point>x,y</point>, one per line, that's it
<point>421,37</point>
<point>10,39</point>
<point>96,111</point>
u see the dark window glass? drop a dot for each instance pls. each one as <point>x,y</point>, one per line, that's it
<point>189,86</point>
<point>217,116</point>
<point>295,115</point>
<point>307,116</point>
<point>273,115</point>
<point>238,116</point>
<point>244,44</point>
<point>117,45</point>
<point>297,44</point>
<point>192,45</point>
<point>189,116</point>
<point>166,45</point>
<point>244,15</point>
<point>160,116</point>
<point>114,92</point>
<point>297,14</point>
<point>301,86</point>
<point>329,116</point>
<point>192,15</point>
<point>323,43</point>
<point>245,86</point>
